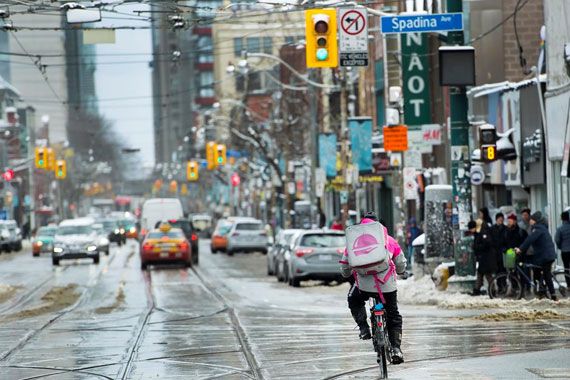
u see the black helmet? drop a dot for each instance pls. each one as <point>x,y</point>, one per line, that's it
<point>371,215</point>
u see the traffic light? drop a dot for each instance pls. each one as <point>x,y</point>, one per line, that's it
<point>40,158</point>
<point>8,175</point>
<point>211,155</point>
<point>488,142</point>
<point>221,155</point>
<point>320,34</point>
<point>50,159</point>
<point>192,171</point>
<point>60,169</point>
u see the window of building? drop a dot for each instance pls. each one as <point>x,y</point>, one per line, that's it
<point>253,45</point>
<point>206,79</point>
<point>205,43</point>
<point>238,46</point>
<point>267,45</point>
<point>206,58</point>
<point>207,93</point>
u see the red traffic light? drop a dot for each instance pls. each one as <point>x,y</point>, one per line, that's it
<point>235,179</point>
<point>8,175</point>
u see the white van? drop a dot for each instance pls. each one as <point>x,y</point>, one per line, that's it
<point>158,209</point>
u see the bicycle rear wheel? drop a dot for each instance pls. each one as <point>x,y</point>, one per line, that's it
<point>562,281</point>
<point>506,286</point>
<point>383,362</point>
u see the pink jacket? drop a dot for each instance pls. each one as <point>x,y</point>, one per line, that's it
<point>367,282</point>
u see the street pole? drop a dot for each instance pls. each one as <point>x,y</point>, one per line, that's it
<point>460,167</point>
<point>314,130</point>
<point>344,141</point>
<point>31,179</point>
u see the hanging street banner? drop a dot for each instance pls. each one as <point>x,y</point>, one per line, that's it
<point>353,36</point>
<point>361,142</point>
<point>415,72</point>
<point>327,153</point>
<point>441,22</point>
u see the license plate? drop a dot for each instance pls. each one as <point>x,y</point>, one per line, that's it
<point>163,254</point>
<point>325,257</point>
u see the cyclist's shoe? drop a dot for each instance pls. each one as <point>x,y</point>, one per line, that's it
<point>397,356</point>
<point>364,331</point>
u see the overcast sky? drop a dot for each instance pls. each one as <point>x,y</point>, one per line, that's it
<point>120,79</point>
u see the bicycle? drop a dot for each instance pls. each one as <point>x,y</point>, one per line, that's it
<point>508,285</point>
<point>380,338</point>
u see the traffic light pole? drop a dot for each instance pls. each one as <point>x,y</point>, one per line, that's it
<point>460,169</point>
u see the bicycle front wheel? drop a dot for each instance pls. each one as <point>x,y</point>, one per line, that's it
<point>506,286</point>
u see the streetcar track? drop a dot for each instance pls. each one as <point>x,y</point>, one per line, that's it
<point>238,328</point>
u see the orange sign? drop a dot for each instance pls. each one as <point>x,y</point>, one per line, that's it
<point>396,138</point>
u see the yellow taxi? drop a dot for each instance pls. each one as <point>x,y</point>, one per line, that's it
<point>165,245</point>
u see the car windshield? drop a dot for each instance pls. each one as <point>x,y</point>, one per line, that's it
<point>201,224</point>
<point>323,241</point>
<point>46,231</point>
<point>109,225</point>
<point>126,223</point>
<point>249,227</point>
<point>175,234</point>
<point>74,230</point>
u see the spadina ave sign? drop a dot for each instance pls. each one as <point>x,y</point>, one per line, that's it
<point>422,23</point>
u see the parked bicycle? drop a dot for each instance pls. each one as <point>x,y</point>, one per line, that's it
<point>509,286</point>
<point>380,338</point>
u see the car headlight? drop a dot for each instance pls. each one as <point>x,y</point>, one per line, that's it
<point>91,248</point>
<point>133,230</point>
<point>39,243</point>
<point>58,250</point>
<point>104,241</point>
<point>122,230</point>
<point>117,231</point>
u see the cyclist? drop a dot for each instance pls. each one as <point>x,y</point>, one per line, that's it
<point>372,286</point>
<point>544,252</point>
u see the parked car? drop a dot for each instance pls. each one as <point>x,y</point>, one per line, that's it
<point>190,234</point>
<point>75,239</point>
<point>13,238</point>
<point>156,209</point>
<point>202,224</point>
<point>219,241</point>
<point>282,240</point>
<point>315,256</point>
<point>246,235</point>
<point>165,245</point>
<point>103,239</point>
<point>284,257</point>
<point>5,238</point>
<point>43,241</point>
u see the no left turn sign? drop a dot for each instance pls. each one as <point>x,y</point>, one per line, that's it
<point>353,36</point>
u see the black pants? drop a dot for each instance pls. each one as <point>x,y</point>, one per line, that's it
<point>357,303</point>
<point>566,263</point>
<point>545,278</point>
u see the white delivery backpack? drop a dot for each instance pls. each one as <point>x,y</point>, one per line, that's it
<point>366,247</point>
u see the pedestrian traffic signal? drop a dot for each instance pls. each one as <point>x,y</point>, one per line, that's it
<point>221,155</point>
<point>50,159</point>
<point>320,34</point>
<point>40,158</point>
<point>192,171</point>
<point>8,175</point>
<point>60,169</point>
<point>211,155</point>
<point>488,142</point>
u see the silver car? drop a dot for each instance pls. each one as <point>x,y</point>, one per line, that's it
<point>315,255</point>
<point>247,235</point>
<point>282,239</point>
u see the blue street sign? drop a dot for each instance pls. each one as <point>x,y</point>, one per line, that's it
<point>422,23</point>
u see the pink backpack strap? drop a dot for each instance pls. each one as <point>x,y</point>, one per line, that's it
<point>378,282</point>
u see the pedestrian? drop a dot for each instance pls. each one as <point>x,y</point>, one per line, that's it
<point>513,235</point>
<point>485,216</point>
<point>413,231</point>
<point>562,239</point>
<point>322,218</point>
<point>337,225</point>
<point>484,254</point>
<point>497,235</point>
<point>544,251</point>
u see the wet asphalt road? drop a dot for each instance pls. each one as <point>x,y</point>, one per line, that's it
<point>226,319</point>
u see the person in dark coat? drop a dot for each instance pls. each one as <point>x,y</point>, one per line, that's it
<point>484,254</point>
<point>513,235</point>
<point>544,251</point>
<point>562,239</point>
<point>497,235</point>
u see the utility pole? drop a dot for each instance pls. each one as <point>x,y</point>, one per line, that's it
<point>314,130</point>
<point>344,141</point>
<point>460,166</point>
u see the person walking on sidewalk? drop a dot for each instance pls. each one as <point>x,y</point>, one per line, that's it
<point>484,254</point>
<point>544,251</point>
<point>562,239</point>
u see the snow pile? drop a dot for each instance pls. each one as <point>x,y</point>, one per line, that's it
<point>522,315</point>
<point>422,291</point>
<point>6,292</point>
